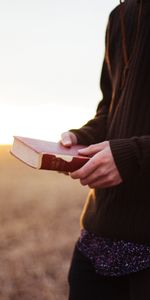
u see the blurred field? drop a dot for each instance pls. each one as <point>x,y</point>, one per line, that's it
<point>39,223</point>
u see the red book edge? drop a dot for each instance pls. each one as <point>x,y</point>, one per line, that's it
<point>53,161</point>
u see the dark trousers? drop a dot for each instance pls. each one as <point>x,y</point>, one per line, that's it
<point>86,284</point>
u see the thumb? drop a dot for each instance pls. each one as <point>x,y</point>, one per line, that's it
<point>68,139</point>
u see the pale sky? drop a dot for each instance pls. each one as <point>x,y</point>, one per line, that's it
<point>51,53</point>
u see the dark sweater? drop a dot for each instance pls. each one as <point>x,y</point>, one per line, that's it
<point>123,118</point>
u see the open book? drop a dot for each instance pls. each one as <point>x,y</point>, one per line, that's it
<point>47,155</point>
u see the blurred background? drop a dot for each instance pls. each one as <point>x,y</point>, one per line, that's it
<point>51,54</point>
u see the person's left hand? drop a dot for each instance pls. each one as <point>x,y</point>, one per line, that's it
<point>100,171</point>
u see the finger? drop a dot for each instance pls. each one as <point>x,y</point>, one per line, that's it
<point>104,182</point>
<point>92,149</point>
<point>101,182</point>
<point>66,139</point>
<point>95,176</point>
<point>87,169</point>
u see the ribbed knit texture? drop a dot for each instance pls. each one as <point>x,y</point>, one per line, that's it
<point>123,118</point>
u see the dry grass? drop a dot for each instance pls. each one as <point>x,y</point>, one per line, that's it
<point>39,223</point>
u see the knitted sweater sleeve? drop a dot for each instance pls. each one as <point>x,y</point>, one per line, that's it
<point>131,155</point>
<point>94,131</point>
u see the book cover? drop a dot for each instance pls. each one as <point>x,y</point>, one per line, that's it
<point>47,155</point>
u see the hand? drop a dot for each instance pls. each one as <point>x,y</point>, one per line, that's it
<point>68,139</point>
<point>100,171</point>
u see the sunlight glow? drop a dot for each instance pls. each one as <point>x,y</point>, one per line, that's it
<point>45,122</point>
<point>50,62</point>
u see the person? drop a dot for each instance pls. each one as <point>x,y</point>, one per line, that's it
<point>111,259</point>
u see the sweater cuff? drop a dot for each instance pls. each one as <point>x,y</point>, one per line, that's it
<point>81,136</point>
<point>125,157</point>
<point>78,136</point>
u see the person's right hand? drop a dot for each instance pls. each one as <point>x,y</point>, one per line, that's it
<point>68,139</point>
